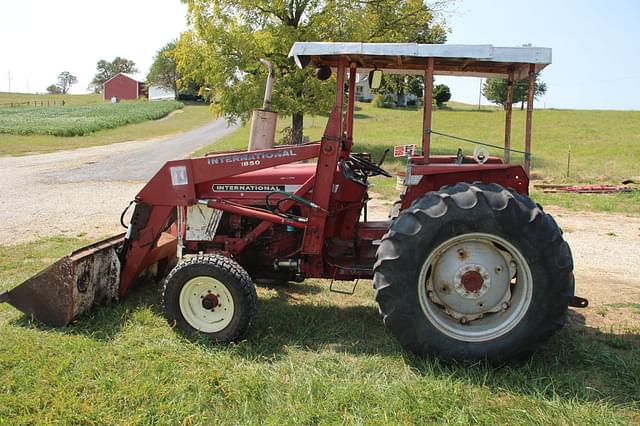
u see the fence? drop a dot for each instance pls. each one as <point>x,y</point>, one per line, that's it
<point>41,103</point>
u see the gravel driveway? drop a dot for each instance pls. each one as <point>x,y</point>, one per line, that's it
<point>83,191</point>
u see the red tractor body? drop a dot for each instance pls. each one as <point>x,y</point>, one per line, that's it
<point>457,262</point>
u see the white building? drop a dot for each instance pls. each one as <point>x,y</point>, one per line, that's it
<point>160,93</point>
<point>363,92</point>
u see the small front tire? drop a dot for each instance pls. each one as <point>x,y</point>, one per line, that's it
<point>211,295</point>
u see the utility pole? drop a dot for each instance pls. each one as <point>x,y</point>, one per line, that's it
<point>480,94</point>
<point>9,81</point>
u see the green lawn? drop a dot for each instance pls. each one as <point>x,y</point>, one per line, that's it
<point>314,358</point>
<point>6,99</point>
<point>605,145</point>
<point>192,115</point>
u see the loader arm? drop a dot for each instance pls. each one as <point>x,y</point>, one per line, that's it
<point>176,184</point>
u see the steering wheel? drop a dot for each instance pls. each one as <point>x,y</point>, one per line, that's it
<point>368,166</point>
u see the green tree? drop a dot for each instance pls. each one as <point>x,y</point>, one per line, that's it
<point>65,81</point>
<point>163,71</point>
<point>441,94</point>
<point>496,90</point>
<point>107,69</point>
<point>54,89</point>
<point>221,52</point>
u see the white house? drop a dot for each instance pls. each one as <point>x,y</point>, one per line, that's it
<point>160,93</point>
<point>363,92</point>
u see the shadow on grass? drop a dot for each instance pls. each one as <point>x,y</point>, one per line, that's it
<point>104,322</point>
<point>360,115</point>
<point>580,363</point>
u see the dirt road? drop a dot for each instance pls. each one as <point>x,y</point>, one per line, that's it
<point>83,191</point>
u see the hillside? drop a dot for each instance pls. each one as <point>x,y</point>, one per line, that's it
<point>605,145</point>
<point>44,98</point>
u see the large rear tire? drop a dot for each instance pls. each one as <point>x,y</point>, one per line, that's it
<point>473,272</point>
<point>211,295</point>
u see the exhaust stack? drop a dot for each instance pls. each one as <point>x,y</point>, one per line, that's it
<point>263,121</point>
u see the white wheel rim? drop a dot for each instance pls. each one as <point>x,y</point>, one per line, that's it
<point>216,294</point>
<point>496,302</point>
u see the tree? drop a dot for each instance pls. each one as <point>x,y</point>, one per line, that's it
<point>496,90</point>
<point>221,52</point>
<point>54,89</point>
<point>163,71</point>
<point>107,69</point>
<point>441,94</point>
<point>65,81</point>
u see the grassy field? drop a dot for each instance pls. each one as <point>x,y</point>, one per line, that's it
<point>605,145</point>
<point>6,99</point>
<point>314,358</point>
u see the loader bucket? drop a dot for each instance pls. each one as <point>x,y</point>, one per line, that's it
<point>64,290</point>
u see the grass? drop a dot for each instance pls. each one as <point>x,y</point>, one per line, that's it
<point>605,145</point>
<point>193,115</point>
<point>6,99</point>
<point>80,120</point>
<point>628,203</point>
<point>314,358</point>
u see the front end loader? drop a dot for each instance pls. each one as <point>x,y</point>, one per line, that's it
<point>467,267</point>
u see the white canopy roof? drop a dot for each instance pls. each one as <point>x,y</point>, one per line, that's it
<point>483,60</point>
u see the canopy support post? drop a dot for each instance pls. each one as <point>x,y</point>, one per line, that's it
<point>352,98</point>
<point>507,120</point>
<point>428,108</point>
<point>527,137</point>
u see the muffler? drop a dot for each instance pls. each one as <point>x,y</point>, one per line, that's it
<point>72,285</point>
<point>264,121</point>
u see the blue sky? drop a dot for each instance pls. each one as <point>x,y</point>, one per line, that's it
<point>596,47</point>
<point>596,44</point>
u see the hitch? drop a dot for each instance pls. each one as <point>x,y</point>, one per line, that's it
<point>578,302</point>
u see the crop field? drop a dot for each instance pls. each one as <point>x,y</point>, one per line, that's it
<point>78,120</point>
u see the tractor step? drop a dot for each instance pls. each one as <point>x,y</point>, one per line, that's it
<point>348,293</point>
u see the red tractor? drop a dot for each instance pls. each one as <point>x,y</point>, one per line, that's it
<point>468,267</point>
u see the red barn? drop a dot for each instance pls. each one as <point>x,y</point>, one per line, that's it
<point>124,87</point>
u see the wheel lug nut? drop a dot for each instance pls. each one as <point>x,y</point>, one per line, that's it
<point>463,320</point>
<point>505,305</point>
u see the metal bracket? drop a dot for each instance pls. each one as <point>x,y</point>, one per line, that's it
<point>353,290</point>
<point>578,302</point>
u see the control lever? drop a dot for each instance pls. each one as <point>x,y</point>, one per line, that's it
<point>384,155</point>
